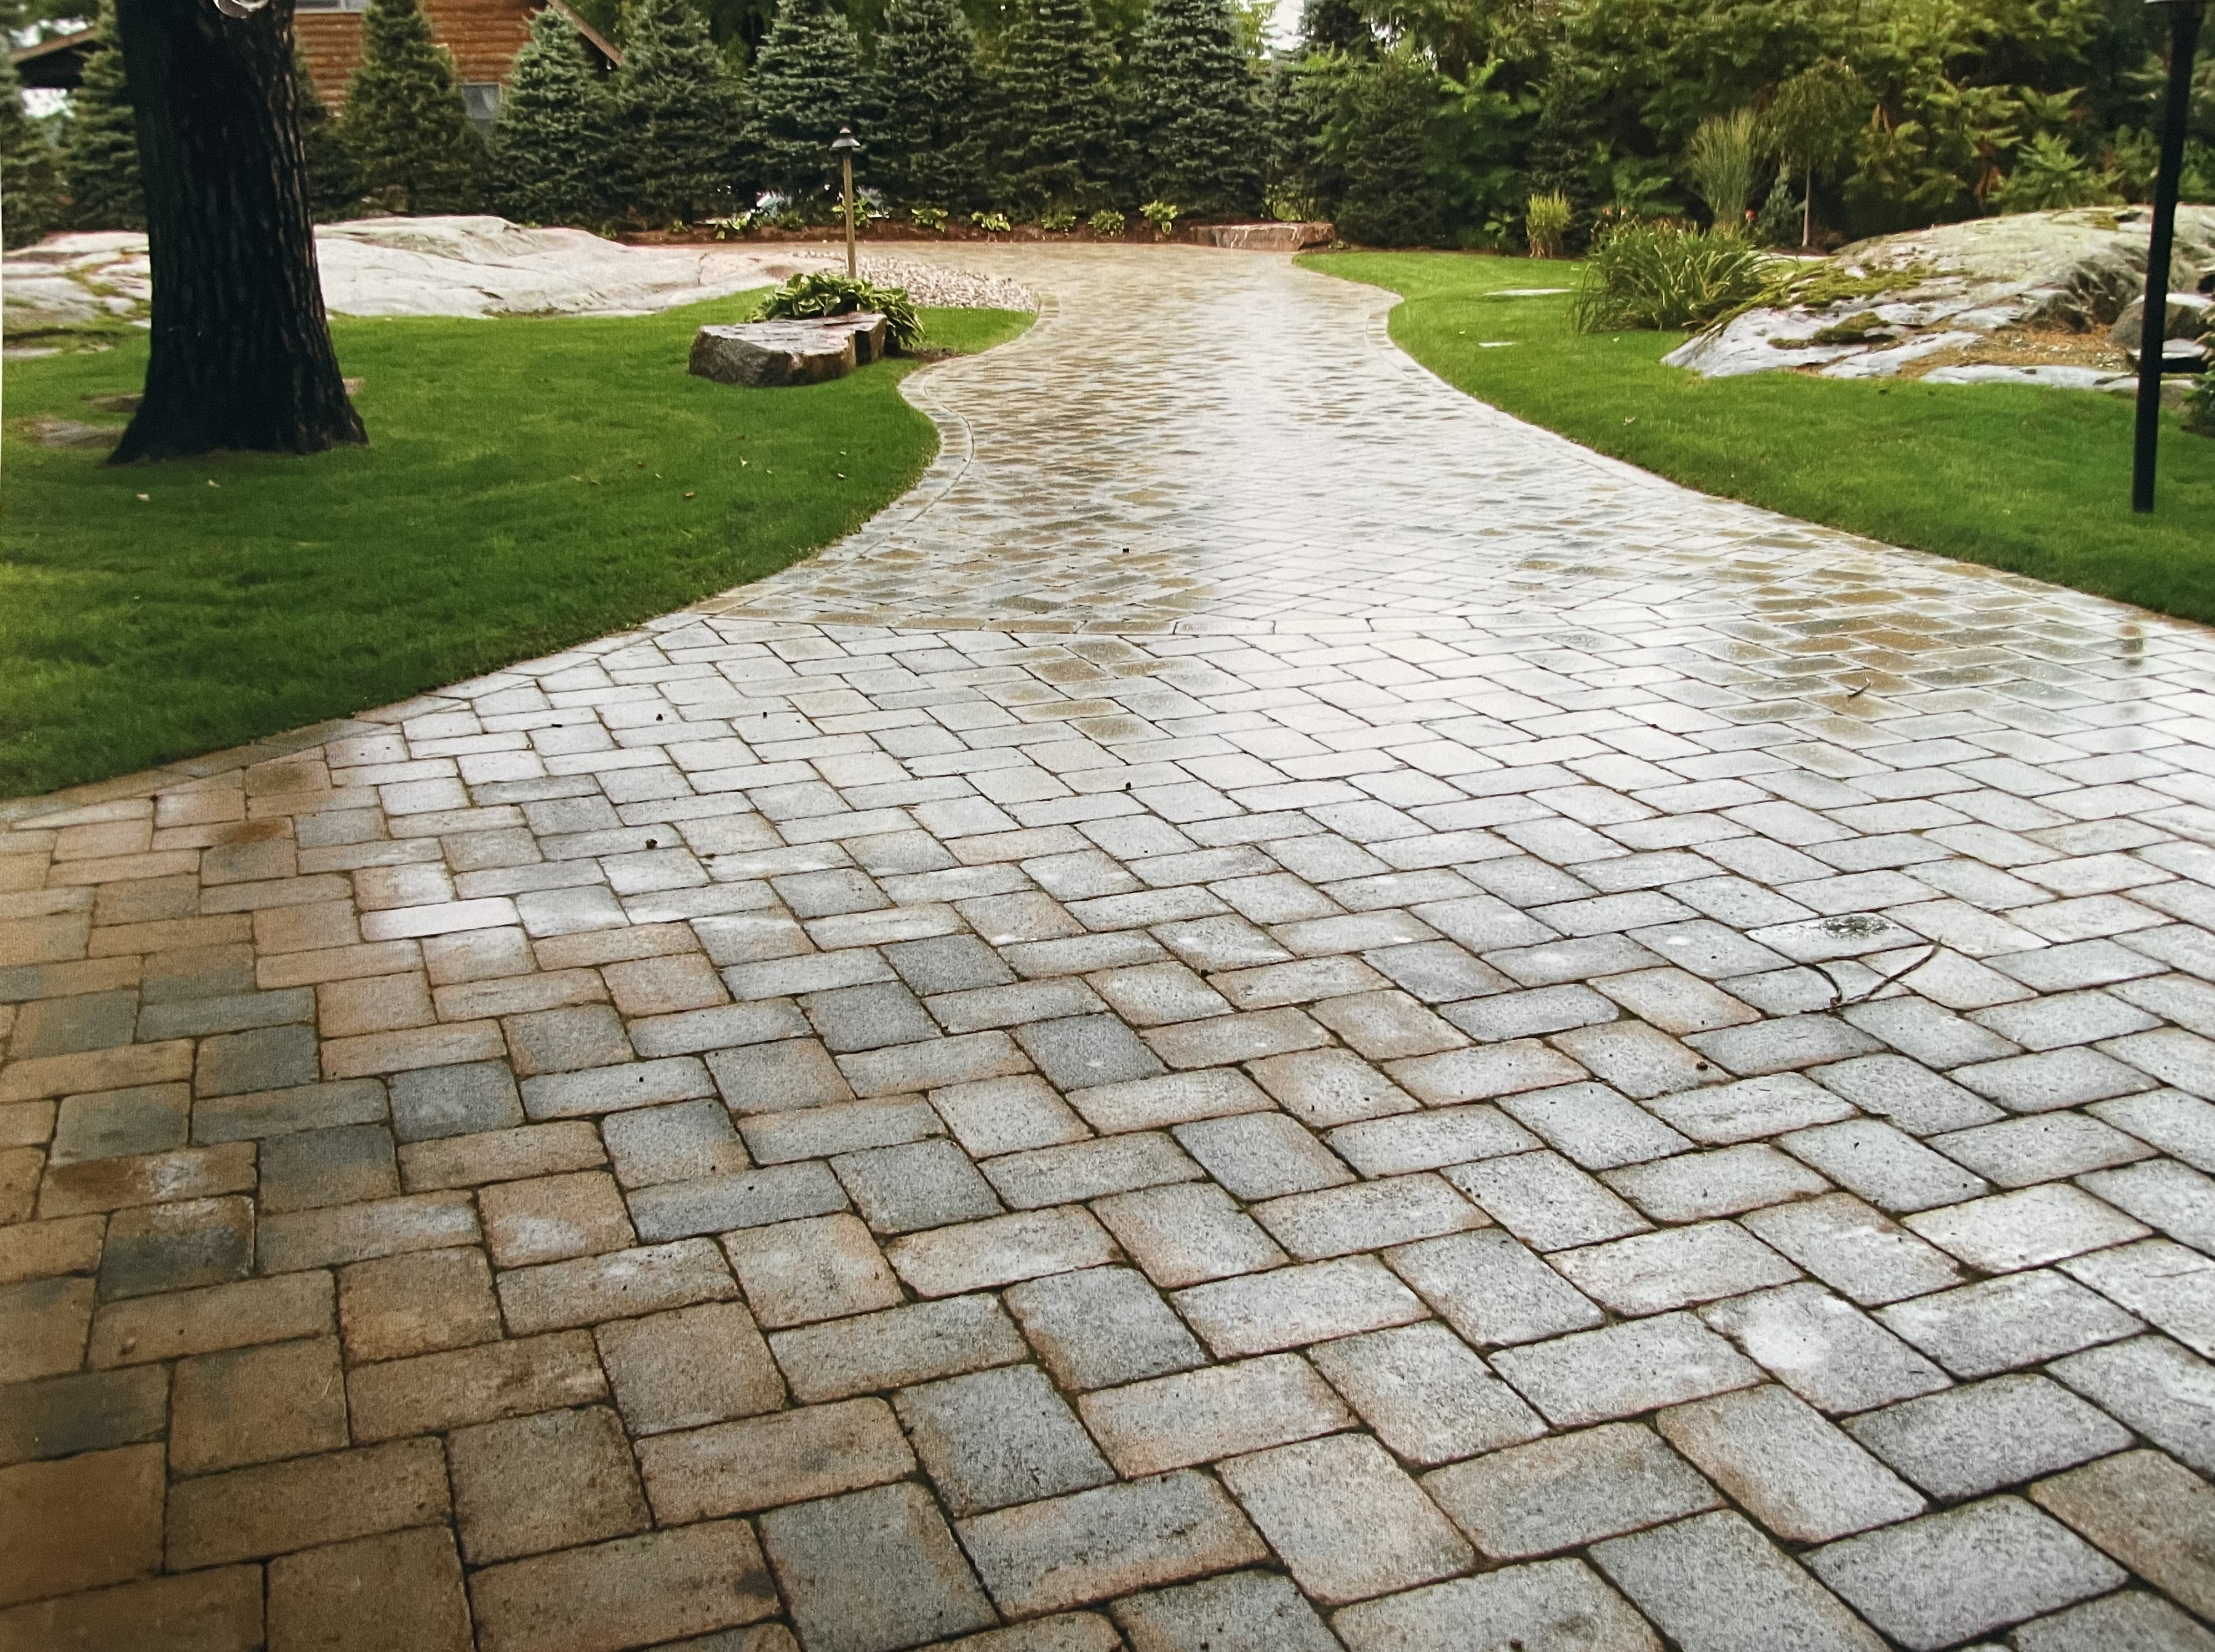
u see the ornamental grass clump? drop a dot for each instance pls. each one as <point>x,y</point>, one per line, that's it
<point>1546,224</point>
<point>805,298</point>
<point>1664,276</point>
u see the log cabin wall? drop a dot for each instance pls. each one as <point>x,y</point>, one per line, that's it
<point>483,37</point>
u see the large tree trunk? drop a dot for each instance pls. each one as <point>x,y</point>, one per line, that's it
<point>243,355</point>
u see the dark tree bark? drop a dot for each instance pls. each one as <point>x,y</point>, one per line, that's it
<point>243,355</point>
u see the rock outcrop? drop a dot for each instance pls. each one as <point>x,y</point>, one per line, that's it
<point>1948,289</point>
<point>456,266</point>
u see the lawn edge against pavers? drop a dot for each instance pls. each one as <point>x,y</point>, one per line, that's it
<point>2026,481</point>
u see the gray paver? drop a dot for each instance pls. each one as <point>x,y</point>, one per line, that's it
<point>1622,1370</point>
<point>1065,1552</point>
<point>1546,1202</point>
<point>1346,1519</point>
<point>872,1571</point>
<point>1786,1466</point>
<point>1290,1307</point>
<point>1221,1412</point>
<point>1427,1396</point>
<point>2028,1229</point>
<point>1569,1490</point>
<point>1183,1234</point>
<point>2162,1283</point>
<point>1854,1249</point>
<point>2172,1197</point>
<point>1651,1273</point>
<point>1262,1155</point>
<point>2165,1392</point>
<point>1824,1350</point>
<point>2148,1512</point>
<point>1492,1290</point>
<point>1938,1581</point>
<point>1984,1435</point>
<point>2002,1324</point>
<point>1393,1211</point>
<point>1102,1327</point>
<point>1884,1166</point>
<point>1556,1603</point>
<point>997,1438</point>
<point>2130,1621</point>
<point>1243,1611</point>
<point>1714,1584</point>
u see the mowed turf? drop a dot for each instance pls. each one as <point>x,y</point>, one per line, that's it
<point>529,484</point>
<point>2036,480</point>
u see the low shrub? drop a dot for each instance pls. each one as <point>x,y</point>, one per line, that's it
<point>991,223</point>
<point>1663,277</point>
<point>1162,214</point>
<point>1106,222</point>
<point>824,293</point>
<point>927,218</point>
<point>1546,224</point>
<point>1058,220</point>
<point>2199,406</point>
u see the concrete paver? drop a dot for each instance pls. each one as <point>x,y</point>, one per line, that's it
<point>1277,1011</point>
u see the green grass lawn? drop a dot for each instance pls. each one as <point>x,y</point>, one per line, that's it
<point>2036,480</point>
<point>530,482</point>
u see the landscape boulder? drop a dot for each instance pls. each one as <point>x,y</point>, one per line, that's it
<point>1270,238</point>
<point>760,354</point>
<point>1947,288</point>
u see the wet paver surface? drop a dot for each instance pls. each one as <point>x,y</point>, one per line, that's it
<point>1279,1014</point>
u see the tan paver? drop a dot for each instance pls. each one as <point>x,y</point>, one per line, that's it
<point>1265,919</point>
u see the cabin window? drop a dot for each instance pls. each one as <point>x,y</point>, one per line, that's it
<point>483,99</point>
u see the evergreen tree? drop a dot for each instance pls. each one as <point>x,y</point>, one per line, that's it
<point>807,83</point>
<point>1336,26</point>
<point>406,124</point>
<point>552,146</point>
<point>676,115</point>
<point>99,157</point>
<point>1057,141</point>
<point>1384,132</point>
<point>929,88</point>
<point>1194,122</point>
<point>30,170</point>
<point>334,181</point>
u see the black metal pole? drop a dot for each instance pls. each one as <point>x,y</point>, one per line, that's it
<point>2153,326</point>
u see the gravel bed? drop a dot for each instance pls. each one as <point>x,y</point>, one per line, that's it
<point>935,287</point>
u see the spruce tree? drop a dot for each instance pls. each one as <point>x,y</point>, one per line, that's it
<point>30,170</point>
<point>1390,199</point>
<point>930,149</point>
<point>675,113</point>
<point>1336,26</point>
<point>807,83</point>
<point>406,124</point>
<point>1057,141</point>
<point>1194,122</point>
<point>334,181</point>
<point>99,157</point>
<point>551,147</point>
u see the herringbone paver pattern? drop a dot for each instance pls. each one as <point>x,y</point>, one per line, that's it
<point>1281,1015</point>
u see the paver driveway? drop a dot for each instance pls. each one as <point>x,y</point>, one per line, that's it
<point>1456,1049</point>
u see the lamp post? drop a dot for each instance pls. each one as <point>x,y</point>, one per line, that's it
<point>844,147</point>
<point>2153,325</point>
